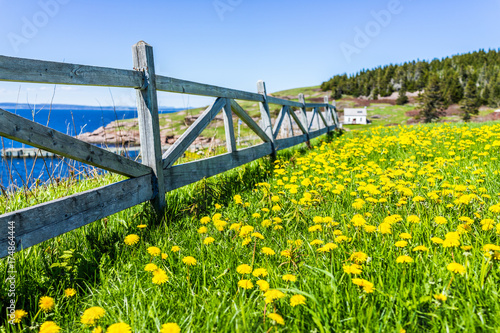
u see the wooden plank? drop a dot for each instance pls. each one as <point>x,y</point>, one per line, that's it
<point>264,111</point>
<point>303,113</point>
<point>36,224</point>
<point>290,121</point>
<point>229,127</point>
<point>279,121</point>
<point>320,114</point>
<point>179,147</point>
<point>309,127</point>
<point>26,131</point>
<point>290,142</point>
<point>187,173</point>
<point>164,83</point>
<point>249,121</point>
<point>38,71</point>
<point>279,101</point>
<point>149,124</point>
<point>299,122</point>
<point>319,132</point>
<point>316,105</point>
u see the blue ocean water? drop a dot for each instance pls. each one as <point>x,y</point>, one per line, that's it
<point>66,119</point>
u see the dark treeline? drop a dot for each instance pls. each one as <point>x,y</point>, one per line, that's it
<point>479,70</point>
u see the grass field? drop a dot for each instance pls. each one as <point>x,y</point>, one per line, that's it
<point>389,229</point>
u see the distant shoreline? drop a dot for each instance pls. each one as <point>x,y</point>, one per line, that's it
<point>12,106</point>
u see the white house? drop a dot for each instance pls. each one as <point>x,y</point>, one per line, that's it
<point>355,116</point>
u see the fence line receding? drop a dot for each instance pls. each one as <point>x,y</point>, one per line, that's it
<point>157,174</point>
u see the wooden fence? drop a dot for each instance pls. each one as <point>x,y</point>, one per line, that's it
<point>157,174</point>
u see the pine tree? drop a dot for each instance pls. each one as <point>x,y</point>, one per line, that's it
<point>470,103</point>
<point>431,101</point>
<point>402,98</point>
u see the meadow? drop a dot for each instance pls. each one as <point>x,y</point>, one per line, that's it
<point>390,229</point>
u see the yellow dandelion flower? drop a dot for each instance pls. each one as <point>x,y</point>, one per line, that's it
<point>91,315</point>
<point>257,235</point>
<point>205,220</point>
<point>316,242</point>
<point>150,267</point>
<point>202,230</point>
<point>297,300</point>
<point>46,303</point>
<point>404,235</point>
<point>404,259</point>
<point>413,219</point>
<point>98,329</point>
<point>273,294</point>
<point>437,240</point>
<point>190,261</point>
<point>69,292</point>
<point>131,239</point>
<point>456,268</point>
<point>289,277</point>
<point>420,248</point>
<point>366,285</point>
<point>385,228</point>
<point>245,284</point>
<point>276,318</point>
<point>159,276</point>
<point>49,327</point>
<point>142,226</point>
<point>244,269</point>
<point>358,257</point>
<point>440,297</point>
<point>208,240</point>
<point>440,220</point>
<point>175,248</point>
<point>352,269</point>
<point>263,285</point>
<point>19,315</point>
<point>119,328</point>
<point>276,208</point>
<point>401,244</point>
<point>164,256</point>
<point>170,328</point>
<point>154,251</point>
<point>259,272</point>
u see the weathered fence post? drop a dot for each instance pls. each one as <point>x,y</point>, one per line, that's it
<point>229,127</point>
<point>149,127</point>
<point>266,114</point>
<point>303,114</point>
<point>328,114</point>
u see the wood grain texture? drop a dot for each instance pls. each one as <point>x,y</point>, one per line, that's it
<point>238,110</point>
<point>38,71</point>
<point>290,142</point>
<point>164,83</point>
<point>279,101</point>
<point>279,121</point>
<point>188,173</point>
<point>36,224</point>
<point>264,111</point>
<point>319,132</point>
<point>179,147</point>
<point>299,121</point>
<point>26,131</point>
<point>229,126</point>
<point>303,114</point>
<point>149,123</point>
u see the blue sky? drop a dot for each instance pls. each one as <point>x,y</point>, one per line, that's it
<point>234,43</point>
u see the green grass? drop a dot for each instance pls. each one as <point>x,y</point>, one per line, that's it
<point>305,195</point>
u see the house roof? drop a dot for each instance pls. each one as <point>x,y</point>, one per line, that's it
<point>355,112</point>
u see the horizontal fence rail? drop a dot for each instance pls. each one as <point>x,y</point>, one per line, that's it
<point>157,174</point>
